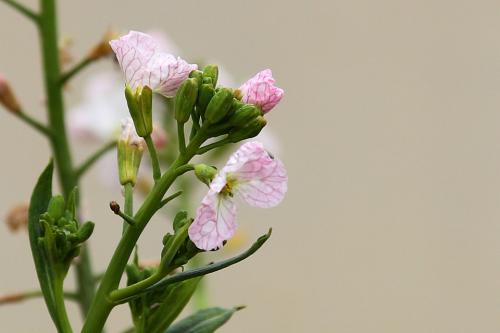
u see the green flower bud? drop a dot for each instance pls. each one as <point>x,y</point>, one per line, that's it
<point>205,95</point>
<point>208,80</point>
<point>180,219</point>
<point>249,131</point>
<point>140,106</point>
<point>56,207</point>
<point>198,75</point>
<point>185,99</point>
<point>243,116</point>
<point>85,232</point>
<point>219,105</point>
<point>205,173</point>
<point>211,71</point>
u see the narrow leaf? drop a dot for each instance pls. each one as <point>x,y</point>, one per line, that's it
<point>39,203</point>
<point>204,321</point>
<point>172,305</point>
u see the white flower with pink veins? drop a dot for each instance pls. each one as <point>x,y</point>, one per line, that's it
<point>250,173</point>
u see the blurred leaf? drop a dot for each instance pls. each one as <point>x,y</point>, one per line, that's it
<point>172,305</point>
<point>39,203</point>
<point>204,321</point>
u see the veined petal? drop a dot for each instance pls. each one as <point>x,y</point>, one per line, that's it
<point>260,90</point>
<point>260,179</point>
<point>215,222</point>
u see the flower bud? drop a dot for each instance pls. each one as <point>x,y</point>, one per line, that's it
<point>244,115</point>
<point>219,105</point>
<point>140,106</point>
<point>185,99</point>
<point>84,232</point>
<point>198,75</point>
<point>261,91</point>
<point>7,97</point>
<point>130,149</point>
<point>211,71</point>
<point>205,173</point>
<point>56,207</point>
<point>206,93</point>
<point>249,131</point>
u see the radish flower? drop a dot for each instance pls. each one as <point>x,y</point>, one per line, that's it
<point>252,174</point>
<point>144,64</point>
<point>261,91</point>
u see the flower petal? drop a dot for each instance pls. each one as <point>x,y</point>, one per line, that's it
<point>260,179</point>
<point>215,222</point>
<point>260,90</point>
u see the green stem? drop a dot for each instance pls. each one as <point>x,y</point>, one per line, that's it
<point>75,70</point>
<point>35,124</point>
<point>154,157</point>
<point>64,325</point>
<point>214,145</point>
<point>169,198</point>
<point>59,141</point>
<point>181,136</point>
<point>23,10</point>
<point>89,162</point>
<point>128,208</point>
<point>102,305</point>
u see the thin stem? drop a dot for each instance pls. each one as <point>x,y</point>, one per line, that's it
<point>59,141</point>
<point>75,70</point>
<point>168,199</point>
<point>23,10</point>
<point>214,145</point>
<point>128,206</point>
<point>63,324</point>
<point>102,305</point>
<point>35,124</point>
<point>30,294</point>
<point>182,139</point>
<point>89,162</point>
<point>154,157</point>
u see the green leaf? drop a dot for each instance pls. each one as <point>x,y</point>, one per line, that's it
<point>172,305</point>
<point>204,321</point>
<point>39,203</point>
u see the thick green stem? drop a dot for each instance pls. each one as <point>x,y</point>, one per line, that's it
<point>59,141</point>
<point>102,304</point>
<point>181,137</point>
<point>64,324</point>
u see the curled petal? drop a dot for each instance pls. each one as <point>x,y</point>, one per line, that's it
<point>215,222</point>
<point>260,90</point>
<point>145,65</point>
<point>260,179</point>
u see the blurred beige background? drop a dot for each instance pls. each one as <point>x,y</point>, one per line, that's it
<point>390,131</point>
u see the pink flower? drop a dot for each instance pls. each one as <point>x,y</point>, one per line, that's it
<point>251,173</point>
<point>261,91</point>
<point>145,65</point>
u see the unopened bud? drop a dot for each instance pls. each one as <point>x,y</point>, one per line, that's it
<point>17,218</point>
<point>211,71</point>
<point>114,206</point>
<point>140,106</point>
<point>198,75</point>
<point>219,105</point>
<point>249,131</point>
<point>243,116</point>
<point>185,99</point>
<point>205,173</point>
<point>56,207</point>
<point>85,232</point>
<point>7,97</point>
<point>206,93</point>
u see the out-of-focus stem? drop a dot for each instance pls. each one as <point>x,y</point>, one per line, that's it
<point>23,10</point>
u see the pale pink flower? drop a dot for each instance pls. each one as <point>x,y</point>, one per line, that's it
<point>144,64</point>
<point>251,173</point>
<point>261,91</point>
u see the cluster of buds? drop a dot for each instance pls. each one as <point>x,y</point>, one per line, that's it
<point>61,234</point>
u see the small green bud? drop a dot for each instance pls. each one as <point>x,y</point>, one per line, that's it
<point>180,219</point>
<point>211,71</point>
<point>208,80</point>
<point>249,131</point>
<point>198,75</point>
<point>219,105</point>
<point>130,149</point>
<point>207,91</point>
<point>205,173</point>
<point>140,106</point>
<point>56,207</point>
<point>243,116</point>
<point>185,99</point>
<point>85,232</point>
